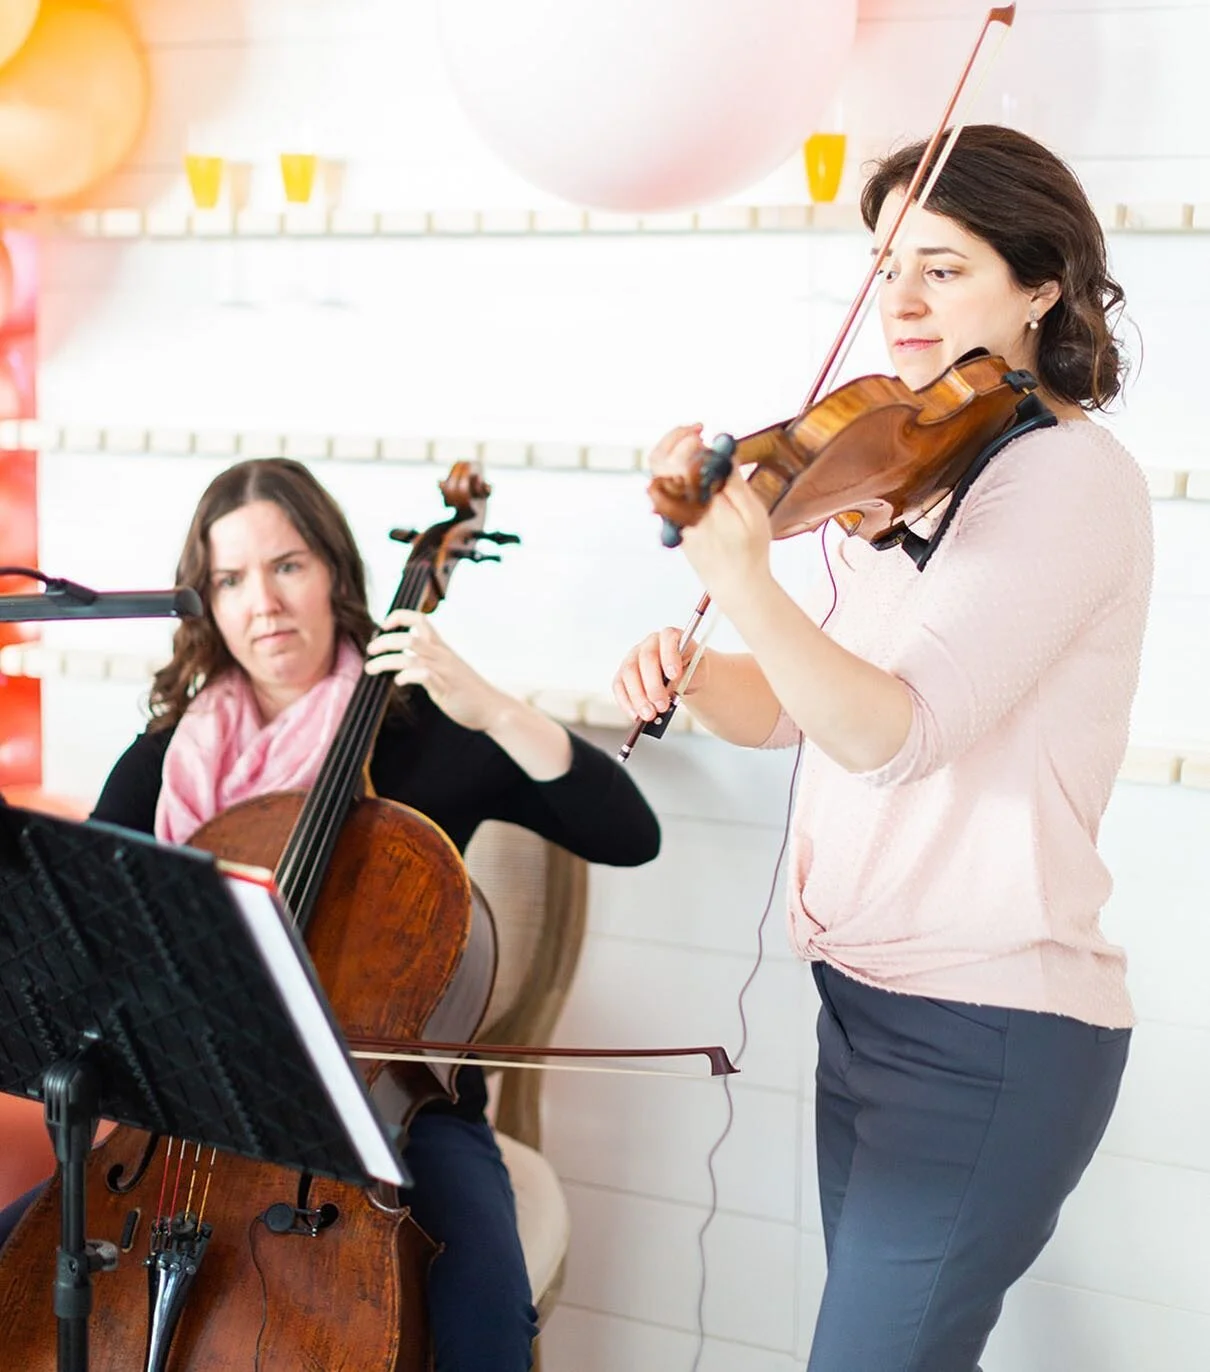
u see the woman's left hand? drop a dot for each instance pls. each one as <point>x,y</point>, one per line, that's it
<point>410,647</point>
<point>729,546</point>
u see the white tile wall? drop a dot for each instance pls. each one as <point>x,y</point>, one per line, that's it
<point>609,340</point>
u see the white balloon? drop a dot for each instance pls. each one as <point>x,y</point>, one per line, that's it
<point>645,105</point>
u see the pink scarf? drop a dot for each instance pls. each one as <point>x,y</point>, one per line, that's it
<point>221,753</point>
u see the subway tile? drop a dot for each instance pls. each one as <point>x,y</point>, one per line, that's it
<point>639,995</point>
<point>1153,841</point>
<point>1049,1328</point>
<point>580,1340</point>
<point>812,1273</point>
<point>639,1258</point>
<point>1136,1230</point>
<point>708,889</point>
<point>652,1137</point>
<point>1158,1118</point>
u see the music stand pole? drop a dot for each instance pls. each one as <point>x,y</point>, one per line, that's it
<point>71,1096</point>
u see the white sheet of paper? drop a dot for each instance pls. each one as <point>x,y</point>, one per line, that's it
<point>266,923</point>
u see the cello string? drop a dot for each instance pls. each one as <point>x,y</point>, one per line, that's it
<point>159,1209</point>
<point>349,750</point>
<point>192,1178</point>
<point>298,869</point>
<point>201,1210</point>
<point>176,1185</point>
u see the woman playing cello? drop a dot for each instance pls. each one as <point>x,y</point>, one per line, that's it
<point>276,655</point>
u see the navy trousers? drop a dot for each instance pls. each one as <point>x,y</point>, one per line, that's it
<point>480,1310</point>
<point>948,1136</point>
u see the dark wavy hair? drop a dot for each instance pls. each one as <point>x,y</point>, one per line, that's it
<point>1007,189</point>
<point>198,651</point>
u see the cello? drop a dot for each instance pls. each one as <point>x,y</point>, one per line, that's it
<point>241,1267</point>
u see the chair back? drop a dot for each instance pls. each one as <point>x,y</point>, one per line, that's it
<point>538,894</point>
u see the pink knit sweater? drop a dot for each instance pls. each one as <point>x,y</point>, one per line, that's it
<point>966,868</point>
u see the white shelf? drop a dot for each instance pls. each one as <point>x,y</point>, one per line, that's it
<point>584,709</point>
<point>315,222</point>
<point>44,435</point>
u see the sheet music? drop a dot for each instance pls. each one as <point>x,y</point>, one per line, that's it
<point>257,903</point>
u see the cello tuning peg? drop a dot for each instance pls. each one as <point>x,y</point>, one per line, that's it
<point>498,538</point>
<point>405,535</point>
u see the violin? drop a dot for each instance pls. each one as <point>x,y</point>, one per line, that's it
<point>874,455</point>
<point>240,1264</point>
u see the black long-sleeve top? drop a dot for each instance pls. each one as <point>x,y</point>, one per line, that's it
<point>458,778</point>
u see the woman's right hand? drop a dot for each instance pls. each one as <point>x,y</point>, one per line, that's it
<point>651,670</point>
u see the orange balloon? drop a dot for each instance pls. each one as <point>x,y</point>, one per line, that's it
<point>16,19</point>
<point>72,101</point>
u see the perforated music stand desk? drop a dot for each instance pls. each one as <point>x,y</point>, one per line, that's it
<point>141,983</point>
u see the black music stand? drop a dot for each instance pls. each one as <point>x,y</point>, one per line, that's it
<point>142,983</point>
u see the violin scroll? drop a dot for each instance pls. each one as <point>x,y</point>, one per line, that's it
<point>682,500</point>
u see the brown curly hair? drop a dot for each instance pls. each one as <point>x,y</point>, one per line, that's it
<point>198,651</point>
<point>1007,189</point>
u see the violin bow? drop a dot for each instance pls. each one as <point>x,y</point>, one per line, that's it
<point>1003,15</point>
<point>911,205</point>
<point>386,1050</point>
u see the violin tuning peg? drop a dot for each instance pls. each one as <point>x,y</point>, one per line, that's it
<point>716,466</point>
<point>670,534</point>
<point>405,535</point>
<point>498,538</point>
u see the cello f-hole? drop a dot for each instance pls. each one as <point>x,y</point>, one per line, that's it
<point>113,1178</point>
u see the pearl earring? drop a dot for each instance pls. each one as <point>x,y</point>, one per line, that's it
<point>1033,319</point>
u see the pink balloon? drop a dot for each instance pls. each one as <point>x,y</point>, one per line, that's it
<point>645,105</point>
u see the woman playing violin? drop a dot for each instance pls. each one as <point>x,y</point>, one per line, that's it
<point>961,726</point>
<point>277,652</point>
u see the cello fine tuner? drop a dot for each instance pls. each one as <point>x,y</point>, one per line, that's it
<point>282,1218</point>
